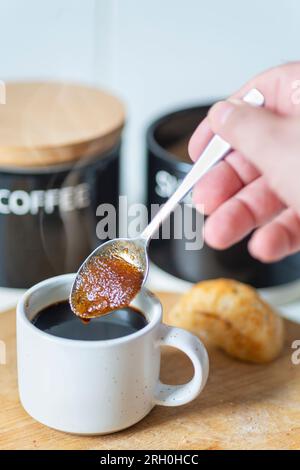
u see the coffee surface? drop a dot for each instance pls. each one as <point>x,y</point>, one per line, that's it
<point>105,284</point>
<point>59,320</point>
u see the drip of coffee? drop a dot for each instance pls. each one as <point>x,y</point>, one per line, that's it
<point>105,284</point>
<point>59,320</point>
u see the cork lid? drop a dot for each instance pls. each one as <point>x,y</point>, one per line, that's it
<point>51,123</point>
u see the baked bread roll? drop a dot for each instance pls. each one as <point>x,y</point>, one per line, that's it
<point>233,317</point>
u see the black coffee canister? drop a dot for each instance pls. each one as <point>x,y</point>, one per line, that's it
<point>168,163</point>
<point>59,160</point>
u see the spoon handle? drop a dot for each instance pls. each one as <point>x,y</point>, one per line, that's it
<point>216,149</point>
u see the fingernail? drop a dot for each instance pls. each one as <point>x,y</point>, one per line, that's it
<point>220,112</point>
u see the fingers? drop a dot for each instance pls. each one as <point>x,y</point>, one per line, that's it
<point>199,139</point>
<point>255,132</point>
<point>269,141</point>
<point>277,239</point>
<point>278,87</point>
<point>216,187</point>
<point>273,82</point>
<point>223,181</point>
<point>233,193</point>
<point>253,206</point>
<point>245,170</point>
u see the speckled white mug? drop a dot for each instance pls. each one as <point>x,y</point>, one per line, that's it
<point>95,387</point>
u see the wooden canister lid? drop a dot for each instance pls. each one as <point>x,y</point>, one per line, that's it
<point>52,123</point>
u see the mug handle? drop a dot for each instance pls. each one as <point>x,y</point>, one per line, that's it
<point>175,395</point>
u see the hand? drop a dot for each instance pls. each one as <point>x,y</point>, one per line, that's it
<point>257,186</point>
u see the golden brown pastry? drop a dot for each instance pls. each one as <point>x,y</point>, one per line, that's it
<point>233,317</point>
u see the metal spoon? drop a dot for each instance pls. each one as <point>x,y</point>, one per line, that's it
<point>134,250</point>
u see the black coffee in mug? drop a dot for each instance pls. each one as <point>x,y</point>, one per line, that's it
<point>59,320</point>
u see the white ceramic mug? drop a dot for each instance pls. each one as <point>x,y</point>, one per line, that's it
<point>94,387</point>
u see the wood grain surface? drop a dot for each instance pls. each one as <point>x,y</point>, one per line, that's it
<point>243,406</point>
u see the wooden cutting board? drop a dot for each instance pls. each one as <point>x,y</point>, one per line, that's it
<point>243,406</point>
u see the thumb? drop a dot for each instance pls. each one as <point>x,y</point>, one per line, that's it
<point>269,141</point>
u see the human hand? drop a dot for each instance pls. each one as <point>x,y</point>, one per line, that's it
<point>257,185</point>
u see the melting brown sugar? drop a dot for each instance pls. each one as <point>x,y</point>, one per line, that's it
<point>105,284</point>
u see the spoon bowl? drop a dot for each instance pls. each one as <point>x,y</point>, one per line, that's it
<point>131,250</point>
